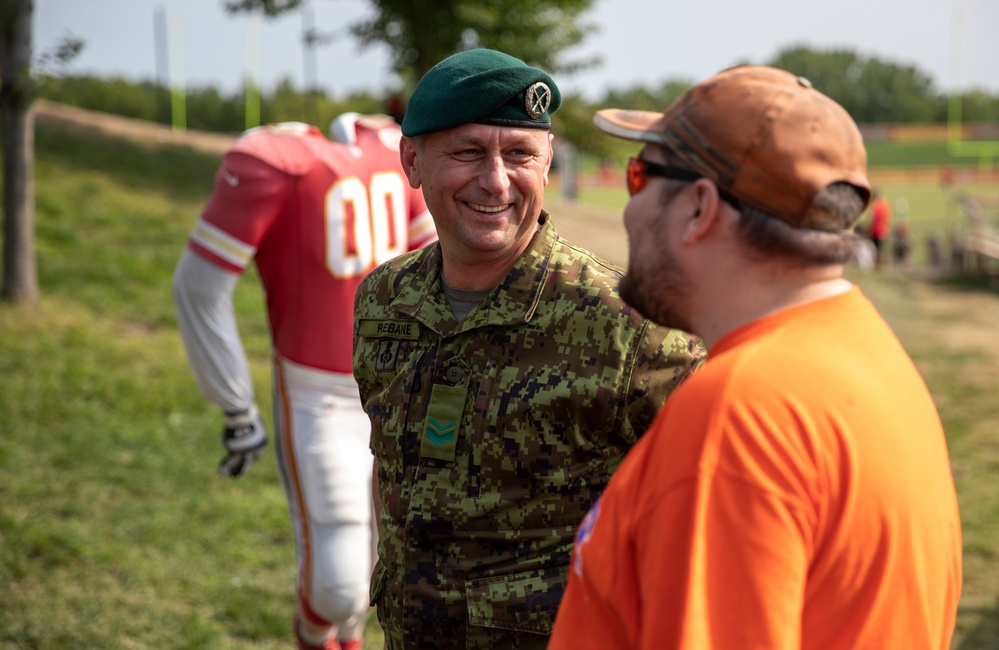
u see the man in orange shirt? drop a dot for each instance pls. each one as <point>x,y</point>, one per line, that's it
<point>796,491</point>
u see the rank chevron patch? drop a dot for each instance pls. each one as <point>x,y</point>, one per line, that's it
<point>440,434</point>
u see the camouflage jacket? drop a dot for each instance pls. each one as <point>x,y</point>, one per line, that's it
<point>494,436</point>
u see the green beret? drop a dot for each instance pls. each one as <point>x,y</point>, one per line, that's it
<point>483,86</point>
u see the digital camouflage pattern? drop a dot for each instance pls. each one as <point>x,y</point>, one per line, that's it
<point>494,436</point>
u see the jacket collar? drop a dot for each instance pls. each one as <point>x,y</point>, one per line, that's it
<point>511,302</point>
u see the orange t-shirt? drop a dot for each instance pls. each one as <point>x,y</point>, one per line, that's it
<point>794,493</point>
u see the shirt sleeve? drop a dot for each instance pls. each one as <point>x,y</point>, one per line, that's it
<point>207,323</point>
<point>248,198</point>
<point>663,358</point>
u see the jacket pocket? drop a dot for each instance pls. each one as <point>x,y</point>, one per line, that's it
<point>524,602</point>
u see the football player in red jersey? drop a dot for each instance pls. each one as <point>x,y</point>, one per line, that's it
<point>315,216</point>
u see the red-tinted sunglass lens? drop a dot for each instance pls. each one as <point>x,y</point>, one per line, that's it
<point>637,179</point>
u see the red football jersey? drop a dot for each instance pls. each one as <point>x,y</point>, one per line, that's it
<point>316,216</point>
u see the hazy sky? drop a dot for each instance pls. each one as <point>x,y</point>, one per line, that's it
<point>956,42</point>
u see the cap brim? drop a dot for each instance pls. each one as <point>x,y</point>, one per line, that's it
<point>642,126</point>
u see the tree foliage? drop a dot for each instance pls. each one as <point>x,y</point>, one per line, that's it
<point>647,99</point>
<point>979,106</point>
<point>208,109</point>
<point>871,90</point>
<point>419,33</point>
<point>575,119</point>
<point>63,53</point>
<point>270,8</point>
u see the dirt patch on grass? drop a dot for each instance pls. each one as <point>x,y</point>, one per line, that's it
<point>52,113</point>
<point>594,228</point>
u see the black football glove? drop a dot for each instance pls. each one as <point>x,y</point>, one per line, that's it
<point>244,437</point>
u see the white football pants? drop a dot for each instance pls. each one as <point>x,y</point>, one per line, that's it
<point>325,463</point>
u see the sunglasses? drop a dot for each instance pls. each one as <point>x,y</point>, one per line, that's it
<point>640,170</point>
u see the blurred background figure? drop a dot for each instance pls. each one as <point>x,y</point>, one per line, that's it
<point>880,225</point>
<point>901,244</point>
<point>395,106</point>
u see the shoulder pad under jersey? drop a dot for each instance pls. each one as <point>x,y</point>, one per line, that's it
<point>378,128</point>
<point>292,147</point>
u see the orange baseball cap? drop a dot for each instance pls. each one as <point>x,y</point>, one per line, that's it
<point>761,134</point>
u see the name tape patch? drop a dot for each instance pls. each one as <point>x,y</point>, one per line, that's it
<point>389,329</point>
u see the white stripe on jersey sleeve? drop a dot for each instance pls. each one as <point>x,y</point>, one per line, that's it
<point>422,230</point>
<point>223,244</point>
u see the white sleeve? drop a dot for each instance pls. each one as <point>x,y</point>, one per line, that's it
<point>207,322</point>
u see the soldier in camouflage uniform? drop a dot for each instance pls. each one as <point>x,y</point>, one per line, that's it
<point>504,377</point>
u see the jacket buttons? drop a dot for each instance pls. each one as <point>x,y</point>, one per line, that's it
<point>454,374</point>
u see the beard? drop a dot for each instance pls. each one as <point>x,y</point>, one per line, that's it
<point>658,290</point>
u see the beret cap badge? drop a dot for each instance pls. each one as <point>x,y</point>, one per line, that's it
<point>537,99</point>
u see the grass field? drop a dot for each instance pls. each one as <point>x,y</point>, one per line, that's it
<point>115,531</point>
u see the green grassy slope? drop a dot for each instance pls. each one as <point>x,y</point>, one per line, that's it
<point>115,531</point>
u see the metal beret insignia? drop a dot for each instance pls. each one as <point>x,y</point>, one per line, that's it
<point>537,99</point>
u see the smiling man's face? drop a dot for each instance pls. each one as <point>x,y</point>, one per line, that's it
<point>484,186</point>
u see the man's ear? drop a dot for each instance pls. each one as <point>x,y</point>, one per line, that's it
<point>705,216</point>
<point>407,156</point>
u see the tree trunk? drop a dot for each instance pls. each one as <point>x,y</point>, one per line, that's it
<point>20,274</point>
